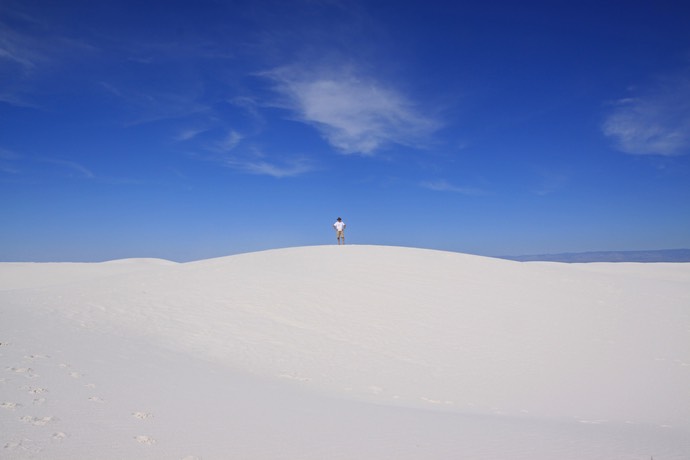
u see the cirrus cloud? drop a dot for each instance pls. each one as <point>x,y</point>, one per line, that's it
<point>442,185</point>
<point>257,164</point>
<point>354,114</point>
<point>656,122</point>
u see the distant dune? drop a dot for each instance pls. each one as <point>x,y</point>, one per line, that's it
<point>352,352</point>
<point>661,255</point>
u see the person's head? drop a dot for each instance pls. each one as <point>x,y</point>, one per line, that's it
<point>339,219</point>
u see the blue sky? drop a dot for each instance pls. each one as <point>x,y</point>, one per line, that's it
<point>189,130</point>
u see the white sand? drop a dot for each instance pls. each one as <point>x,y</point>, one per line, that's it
<point>354,352</point>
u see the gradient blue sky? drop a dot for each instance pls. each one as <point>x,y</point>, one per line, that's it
<point>189,130</point>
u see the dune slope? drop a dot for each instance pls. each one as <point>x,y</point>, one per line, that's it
<point>345,352</point>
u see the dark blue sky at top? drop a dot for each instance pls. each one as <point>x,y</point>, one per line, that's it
<point>187,130</point>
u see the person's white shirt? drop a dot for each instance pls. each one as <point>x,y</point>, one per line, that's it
<point>339,225</point>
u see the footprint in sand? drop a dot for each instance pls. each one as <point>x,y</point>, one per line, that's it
<point>142,415</point>
<point>59,436</point>
<point>73,374</point>
<point>96,399</point>
<point>38,421</point>
<point>9,405</point>
<point>26,445</point>
<point>36,390</point>
<point>23,370</point>
<point>12,445</point>
<point>149,441</point>
<point>36,357</point>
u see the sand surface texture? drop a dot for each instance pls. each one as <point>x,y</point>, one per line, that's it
<point>353,352</point>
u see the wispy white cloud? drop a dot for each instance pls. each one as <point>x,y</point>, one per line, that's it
<point>35,49</point>
<point>152,106</point>
<point>19,45</point>
<point>32,51</point>
<point>31,42</point>
<point>550,182</point>
<point>8,160</point>
<point>286,167</point>
<point>442,185</point>
<point>231,141</point>
<point>355,114</point>
<point>73,166</point>
<point>656,122</point>
<point>8,168</point>
<point>234,150</point>
<point>8,155</point>
<point>14,163</point>
<point>189,134</point>
<point>9,52</point>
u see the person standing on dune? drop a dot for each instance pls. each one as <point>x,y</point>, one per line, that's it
<point>339,227</point>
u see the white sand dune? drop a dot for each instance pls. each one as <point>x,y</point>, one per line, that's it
<point>354,352</point>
